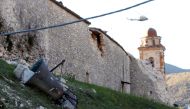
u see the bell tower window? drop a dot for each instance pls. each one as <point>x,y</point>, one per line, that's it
<point>151,60</point>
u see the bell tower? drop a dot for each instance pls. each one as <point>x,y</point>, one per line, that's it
<point>152,50</point>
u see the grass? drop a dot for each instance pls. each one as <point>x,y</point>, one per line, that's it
<point>96,97</point>
<point>14,95</point>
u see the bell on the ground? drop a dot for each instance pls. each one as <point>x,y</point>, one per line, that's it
<point>45,80</point>
<point>40,76</point>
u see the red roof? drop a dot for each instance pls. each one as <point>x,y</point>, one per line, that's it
<point>152,32</point>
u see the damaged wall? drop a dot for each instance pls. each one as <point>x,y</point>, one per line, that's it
<point>148,82</point>
<point>107,66</point>
<point>98,60</point>
<point>18,15</point>
<point>83,57</point>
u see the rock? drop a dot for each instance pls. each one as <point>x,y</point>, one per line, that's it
<point>12,62</point>
<point>1,54</point>
<point>93,90</point>
<point>67,105</point>
<point>40,107</point>
<point>2,50</point>
<point>21,105</point>
<point>21,61</point>
<point>2,105</point>
<point>23,73</point>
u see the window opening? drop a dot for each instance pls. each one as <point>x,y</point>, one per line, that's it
<point>99,40</point>
<point>151,60</point>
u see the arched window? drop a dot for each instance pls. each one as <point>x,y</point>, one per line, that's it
<point>153,42</point>
<point>151,60</point>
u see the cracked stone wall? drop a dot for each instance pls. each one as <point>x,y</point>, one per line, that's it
<point>17,15</point>
<point>73,43</point>
<point>149,82</point>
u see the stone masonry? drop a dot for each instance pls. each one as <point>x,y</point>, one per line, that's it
<point>91,55</point>
<point>74,43</point>
<point>148,82</point>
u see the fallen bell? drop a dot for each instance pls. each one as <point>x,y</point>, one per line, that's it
<point>41,77</point>
<point>45,80</point>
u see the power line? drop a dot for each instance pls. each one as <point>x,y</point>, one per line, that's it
<point>76,21</point>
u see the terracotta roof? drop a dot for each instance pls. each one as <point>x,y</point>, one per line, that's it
<point>68,10</point>
<point>152,32</point>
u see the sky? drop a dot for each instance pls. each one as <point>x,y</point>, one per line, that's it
<point>168,17</point>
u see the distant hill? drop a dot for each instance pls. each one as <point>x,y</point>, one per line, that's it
<point>174,69</point>
<point>179,86</point>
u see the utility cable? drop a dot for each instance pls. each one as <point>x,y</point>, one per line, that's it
<point>76,21</point>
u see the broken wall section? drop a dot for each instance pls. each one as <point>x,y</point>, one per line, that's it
<point>17,15</point>
<point>148,82</point>
<point>106,65</point>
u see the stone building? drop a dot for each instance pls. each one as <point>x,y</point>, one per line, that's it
<point>152,50</point>
<point>91,55</point>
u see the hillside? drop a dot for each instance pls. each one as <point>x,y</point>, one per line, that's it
<point>179,86</point>
<point>13,95</point>
<point>169,68</point>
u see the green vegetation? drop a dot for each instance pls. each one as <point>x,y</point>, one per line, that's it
<point>14,95</point>
<point>96,97</point>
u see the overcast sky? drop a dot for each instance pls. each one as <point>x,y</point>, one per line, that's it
<point>169,17</point>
